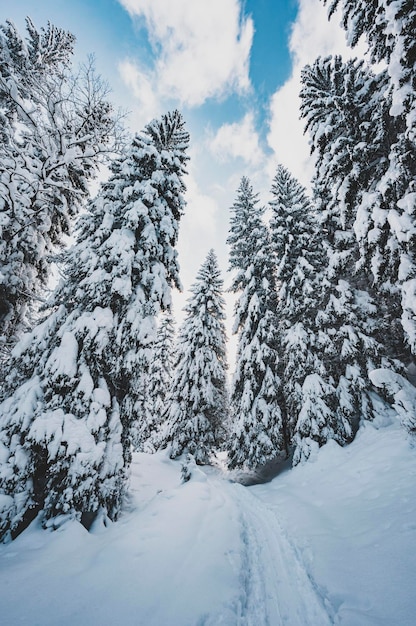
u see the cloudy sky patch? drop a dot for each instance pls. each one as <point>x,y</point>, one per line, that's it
<point>201,49</point>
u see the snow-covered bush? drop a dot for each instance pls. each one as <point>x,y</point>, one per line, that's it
<point>401,392</point>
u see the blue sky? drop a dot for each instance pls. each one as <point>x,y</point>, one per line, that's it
<point>231,66</point>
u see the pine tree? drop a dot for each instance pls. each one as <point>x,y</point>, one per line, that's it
<point>389,206</point>
<point>155,388</point>
<point>55,127</point>
<point>317,421</point>
<point>308,397</point>
<point>388,28</point>
<point>257,426</point>
<point>349,327</point>
<point>347,116</point>
<point>142,410</point>
<point>70,395</point>
<point>291,225</point>
<point>297,256</point>
<point>198,405</point>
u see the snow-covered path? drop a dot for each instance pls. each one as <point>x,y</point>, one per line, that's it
<point>203,553</point>
<point>277,589</point>
<point>332,542</point>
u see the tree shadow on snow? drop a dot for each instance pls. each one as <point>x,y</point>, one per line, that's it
<point>263,474</point>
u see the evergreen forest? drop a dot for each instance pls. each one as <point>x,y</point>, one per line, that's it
<point>92,365</point>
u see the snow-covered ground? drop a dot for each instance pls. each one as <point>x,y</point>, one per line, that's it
<point>330,542</point>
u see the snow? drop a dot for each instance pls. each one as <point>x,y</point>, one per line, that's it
<point>329,542</point>
<point>402,392</point>
<point>352,517</point>
<point>63,359</point>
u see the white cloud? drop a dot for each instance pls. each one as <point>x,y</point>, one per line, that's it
<point>199,221</point>
<point>202,48</point>
<point>312,36</point>
<point>147,102</point>
<point>198,226</point>
<point>286,138</point>
<point>239,139</point>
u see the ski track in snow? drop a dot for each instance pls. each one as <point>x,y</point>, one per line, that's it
<point>273,584</point>
<point>276,588</point>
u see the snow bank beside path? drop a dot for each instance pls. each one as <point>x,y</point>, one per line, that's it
<point>173,559</point>
<point>351,518</point>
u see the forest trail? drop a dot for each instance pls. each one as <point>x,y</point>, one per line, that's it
<point>276,587</point>
<point>328,543</point>
<point>207,552</point>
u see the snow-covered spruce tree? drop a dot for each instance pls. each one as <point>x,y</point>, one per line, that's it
<point>142,409</point>
<point>198,403</point>
<point>308,397</point>
<point>298,258</point>
<point>54,129</point>
<point>257,431</point>
<point>70,395</point>
<point>155,388</point>
<point>348,325</point>
<point>387,214</point>
<point>340,348</point>
<point>347,117</point>
<point>388,27</point>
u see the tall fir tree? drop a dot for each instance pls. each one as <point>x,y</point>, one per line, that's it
<point>347,117</point>
<point>257,431</point>
<point>351,329</point>
<point>387,214</point>
<point>308,395</point>
<point>143,410</point>
<point>70,394</point>
<point>55,128</point>
<point>298,260</point>
<point>198,403</point>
